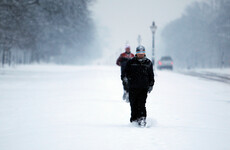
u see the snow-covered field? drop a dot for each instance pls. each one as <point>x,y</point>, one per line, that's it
<point>81,108</point>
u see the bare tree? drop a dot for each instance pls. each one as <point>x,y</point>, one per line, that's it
<point>45,30</point>
<point>200,38</point>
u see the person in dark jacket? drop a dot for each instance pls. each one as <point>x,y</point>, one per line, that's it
<point>121,61</point>
<point>140,77</point>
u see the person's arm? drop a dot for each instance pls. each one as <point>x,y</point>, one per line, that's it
<point>151,75</point>
<point>126,72</point>
<point>118,62</point>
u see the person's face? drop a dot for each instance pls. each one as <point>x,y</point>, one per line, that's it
<point>140,56</point>
<point>127,49</point>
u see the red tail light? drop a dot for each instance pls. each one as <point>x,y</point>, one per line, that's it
<point>171,63</point>
<point>159,62</point>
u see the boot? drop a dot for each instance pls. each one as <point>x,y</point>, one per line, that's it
<point>142,121</point>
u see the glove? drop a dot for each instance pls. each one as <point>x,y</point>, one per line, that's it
<point>125,80</point>
<point>125,84</point>
<point>150,89</point>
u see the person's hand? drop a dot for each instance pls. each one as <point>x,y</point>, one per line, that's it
<point>125,80</point>
<point>150,89</point>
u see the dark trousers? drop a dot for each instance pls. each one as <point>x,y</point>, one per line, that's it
<point>137,98</point>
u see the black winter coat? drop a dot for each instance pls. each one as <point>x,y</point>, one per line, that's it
<point>139,73</point>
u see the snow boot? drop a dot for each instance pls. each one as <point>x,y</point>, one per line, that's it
<point>142,121</point>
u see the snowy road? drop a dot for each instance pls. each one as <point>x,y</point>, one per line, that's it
<point>80,108</point>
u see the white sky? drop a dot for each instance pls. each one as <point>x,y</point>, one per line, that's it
<point>119,21</point>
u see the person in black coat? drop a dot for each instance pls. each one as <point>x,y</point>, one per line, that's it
<point>140,78</point>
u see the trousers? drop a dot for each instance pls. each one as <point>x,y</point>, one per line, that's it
<point>137,98</point>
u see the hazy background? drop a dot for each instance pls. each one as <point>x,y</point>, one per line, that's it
<point>119,21</point>
<point>195,33</point>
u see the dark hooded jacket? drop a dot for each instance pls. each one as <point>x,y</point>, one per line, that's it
<point>139,73</point>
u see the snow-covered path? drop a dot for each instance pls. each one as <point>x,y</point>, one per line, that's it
<point>80,108</point>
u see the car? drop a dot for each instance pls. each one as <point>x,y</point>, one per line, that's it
<point>165,62</point>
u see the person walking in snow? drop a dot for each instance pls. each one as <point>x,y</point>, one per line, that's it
<point>140,78</point>
<point>121,61</point>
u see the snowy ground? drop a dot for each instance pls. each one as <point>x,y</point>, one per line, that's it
<point>80,108</point>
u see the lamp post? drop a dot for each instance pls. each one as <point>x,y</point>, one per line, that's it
<point>153,28</point>
<point>139,40</point>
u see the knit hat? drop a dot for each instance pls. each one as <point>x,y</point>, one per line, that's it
<point>140,50</point>
<point>127,47</point>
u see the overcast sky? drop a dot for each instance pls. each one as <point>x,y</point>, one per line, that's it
<point>119,21</point>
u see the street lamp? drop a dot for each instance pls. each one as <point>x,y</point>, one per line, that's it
<point>139,40</point>
<point>153,28</point>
